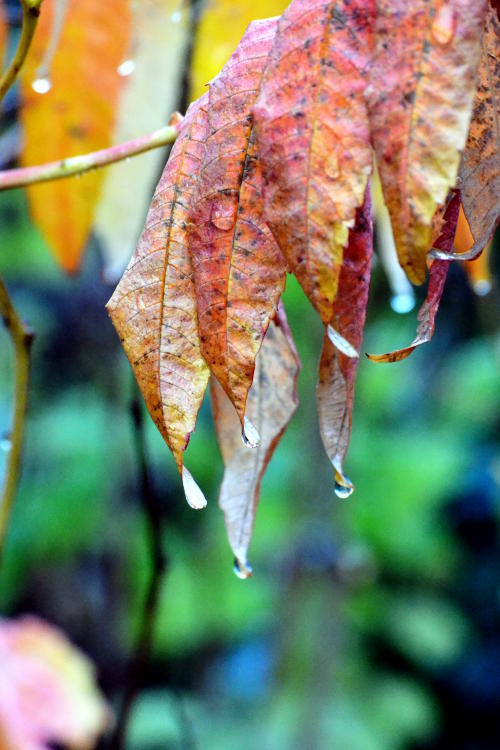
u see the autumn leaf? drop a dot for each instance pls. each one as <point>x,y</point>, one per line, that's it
<point>419,113</point>
<point>221,22</point>
<point>48,691</point>
<point>437,277</point>
<point>337,370</point>
<point>153,73</point>
<point>70,89</point>
<point>154,306</point>
<point>239,269</point>
<point>272,401</point>
<point>313,137</point>
<point>479,175</point>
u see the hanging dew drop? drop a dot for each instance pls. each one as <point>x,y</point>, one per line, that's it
<point>194,496</point>
<point>5,442</point>
<point>41,85</point>
<point>242,570</point>
<point>342,491</point>
<point>126,68</point>
<point>403,303</point>
<point>249,434</point>
<point>176,17</point>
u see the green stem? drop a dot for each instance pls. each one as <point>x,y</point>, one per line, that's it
<point>22,338</point>
<point>31,12</point>
<point>57,170</point>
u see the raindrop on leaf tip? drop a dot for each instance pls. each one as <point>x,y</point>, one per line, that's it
<point>342,491</point>
<point>194,496</point>
<point>242,570</point>
<point>403,303</point>
<point>41,85</point>
<point>126,68</point>
<point>249,434</point>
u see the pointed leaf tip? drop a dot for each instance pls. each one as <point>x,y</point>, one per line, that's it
<point>242,570</point>
<point>194,496</point>
<point>249,434</point>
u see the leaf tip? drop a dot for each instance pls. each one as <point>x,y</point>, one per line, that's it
<point>242,570</point>
<point>340,343</point>
<point>194,496</point>
<point>249,434</point>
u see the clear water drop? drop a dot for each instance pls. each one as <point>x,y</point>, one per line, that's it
<point>249,434</point>
<point>403,303</point>
<point>194,496</point>
<point>176,17</point>
<point>126,68</point>
<point>482,287</point>
<point>242,570</point>
<point>41,85</point>
<point>5,442</point>
<point>342,491</point>
<point>341,343</point>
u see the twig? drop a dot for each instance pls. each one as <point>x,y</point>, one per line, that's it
<point>57,170</point>
<point>22,338</point>
<point>154,518</point>
<point>31,12</point>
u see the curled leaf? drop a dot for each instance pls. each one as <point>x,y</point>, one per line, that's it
<point>70,89</point>
<point>239,269</point>
<point>419,115</point>
<point>437,277</point>
<point>337,369</point>
<point>313,137</point>
<point>271,404</point>
<point>154,306</point>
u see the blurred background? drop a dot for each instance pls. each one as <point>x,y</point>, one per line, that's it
<point>369,624</point>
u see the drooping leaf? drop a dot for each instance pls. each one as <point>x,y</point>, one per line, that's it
<point>150,94</point>
<point>221,22</point>
<point>479,175</point>
<point>48,690</point>
<point>419,115</point>
<point>154,306</point>
<point>313,137</point>
<point>437,277</point>
<point>239,269</point>
<point>73,64</point>
<point>272,401</point>
<point>337,371</point>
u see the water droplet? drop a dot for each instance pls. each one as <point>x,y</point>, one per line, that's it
<point>341,343</point>
<point>194,496</point>
<point>41,85</point>
<point>443,26</point>
<point>332,166</point>
<point>126,68</point>
<point>403,303</point>
<point>5,442</point>
<point>482,287</point>
<point>242,570</point>
<point>223,220</point>
<point>249,434</point>
<point>176,17</point>
<point>342,491</point>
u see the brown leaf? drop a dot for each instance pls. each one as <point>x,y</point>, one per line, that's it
<point>239,269</point>
<point>313,136</point>
<point>437,277</point>
<point>272,402</point>
<point>419,113</point>
<point>154,306</point>
<point>70,89</point>
<point>337,370</point>
<point>479,175</point>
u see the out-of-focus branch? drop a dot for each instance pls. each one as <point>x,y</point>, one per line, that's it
<point>57,170</point>
<point>22,338</point>
<point>154,519</point>
<point>31,12</point>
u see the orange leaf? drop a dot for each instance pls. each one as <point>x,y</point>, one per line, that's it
<point>313,137</point>
<point>154,306</point>
<point>419,114</point>
<point>272,401</point>
<point>437,277</point>
<point>48,691</point>
<point>337,371</point>
<point>76,53</point>
<point>239,269</point>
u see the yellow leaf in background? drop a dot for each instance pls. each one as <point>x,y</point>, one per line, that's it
<point>221,27</point>
<point>151,93</point>
<point>70,89</point>
<point>48,692</point>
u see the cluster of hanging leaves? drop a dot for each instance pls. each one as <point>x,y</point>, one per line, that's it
<point>270,174</point>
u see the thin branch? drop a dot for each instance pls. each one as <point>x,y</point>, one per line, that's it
<point>57,170</point>
<point>31,12</point>
<point>154,518</point>
<point>22,338</point>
